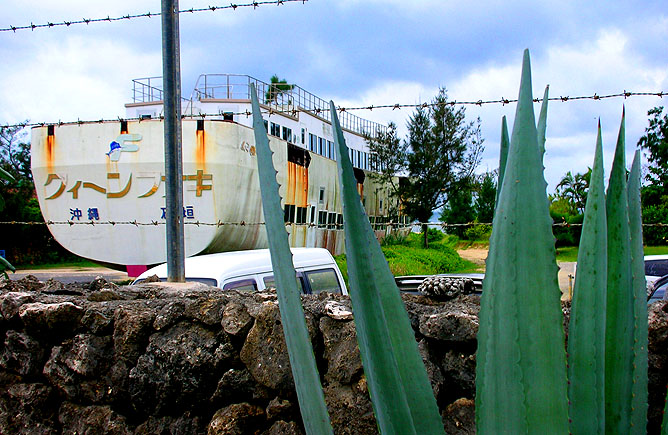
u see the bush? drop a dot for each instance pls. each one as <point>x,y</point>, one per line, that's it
<point>478,232</point>
<point>655,235</point>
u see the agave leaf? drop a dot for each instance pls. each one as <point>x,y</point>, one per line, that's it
<point>521,365</point>
<point>302,361</point>
<point>586,343</point>
<point>6,175</point>
<point>400,390</point>
<point>620,307</point>
<point>542,121</point>
<point>6,265</point>
<point>503,155</point>
<point>639,392</point>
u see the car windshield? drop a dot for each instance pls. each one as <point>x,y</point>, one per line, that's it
<point>656,267</point>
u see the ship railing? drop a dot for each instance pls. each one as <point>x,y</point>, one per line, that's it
<point>279,98</point>
<point>147,90</point>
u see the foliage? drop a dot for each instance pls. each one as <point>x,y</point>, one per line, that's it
<point>520,370</point>
<point>302,361</point>
<point>655,192</point>
<point>573,188</point>
<point>389,157</point>
<point>444,150</point>
<point>396,377</point>
<point>485,199</point>
<point>655,144</point>
<point>24,244</point>
<point>478,232</point>
<point>276,87</point>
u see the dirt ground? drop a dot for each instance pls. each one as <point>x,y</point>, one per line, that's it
<point>566,269</point>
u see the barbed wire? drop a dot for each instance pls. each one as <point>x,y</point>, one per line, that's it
<point>317,111</point>
<point>321,226</point>
<point>109,19</point>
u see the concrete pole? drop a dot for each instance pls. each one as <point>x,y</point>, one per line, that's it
<point>171,79</point>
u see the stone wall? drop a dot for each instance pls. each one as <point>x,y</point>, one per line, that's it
<point>158,359</point>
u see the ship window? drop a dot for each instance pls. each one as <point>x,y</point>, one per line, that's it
<point>228,116</point>
<point>287,134</point>
<point>312,215</point>
<point>266,125</point>
<point>200,125</point>
<point>303,136</point>
<point>275,130</point>
<point>321,198</point>
<point>313,142</point>
<point>301,215</point>
<point>331,221</point>
<point>289,213</point>
<point>124,126</point>
<point>381,205</point>
<point>330,146</point>
<point>298,155</point>
<point>339,221</point>
<point>322,219</point>
<point>50,130</point>
<point>320,146</point>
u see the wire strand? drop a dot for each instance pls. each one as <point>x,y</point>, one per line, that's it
<point>294,111</point>
<point>109,19</point>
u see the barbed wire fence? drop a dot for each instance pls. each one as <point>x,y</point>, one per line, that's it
<point>397,106</point>
<point>136,223</point>
<point>108,19</point>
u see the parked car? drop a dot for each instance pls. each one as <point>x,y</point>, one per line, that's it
<point>657,290</point>
<point>251,270</point>
<point>656,266</point>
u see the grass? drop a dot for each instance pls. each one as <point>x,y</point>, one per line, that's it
<point>570,253</point>
<point>406,256</point>
<point>72,264</point>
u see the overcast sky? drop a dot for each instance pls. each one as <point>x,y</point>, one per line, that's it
<point>358,52</point>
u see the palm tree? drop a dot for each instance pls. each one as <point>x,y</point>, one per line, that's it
<point>574,189</point>
<point>276,88</point>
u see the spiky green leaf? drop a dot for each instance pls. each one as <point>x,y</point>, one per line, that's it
<point>586,343</point>
<point>639,388</point>
<point>542,121</point>
<point>620,308</point>
<point>664,425</point>
<point>6,175</point>
<point>503,155</point>
<point>6,265</point>
<point>302,361</point>
<point>400,390</point>
<point>521,362</point>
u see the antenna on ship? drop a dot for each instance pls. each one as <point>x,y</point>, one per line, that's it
<point>171,73</point>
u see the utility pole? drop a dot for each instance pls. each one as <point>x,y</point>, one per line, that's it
<point>171,79</point>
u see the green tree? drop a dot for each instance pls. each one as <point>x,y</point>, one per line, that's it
<point>276,87</point>
<point>459,208</point>
<point>655,192</point>
<point>23,244</point>
<point>389,158</point>
<point>573,188</point>
<point>443,151</point>
<point>485,199</point>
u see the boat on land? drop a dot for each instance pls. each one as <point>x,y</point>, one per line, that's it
<point>101,188</point>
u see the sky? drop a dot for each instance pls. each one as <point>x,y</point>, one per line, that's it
<point>359,53</point>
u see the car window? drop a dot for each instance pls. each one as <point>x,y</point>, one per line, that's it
<point>241,285</point>
<point>323,280</point>
<point>656,267</point>
<point>269,282</point>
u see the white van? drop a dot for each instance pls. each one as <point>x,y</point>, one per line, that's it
<point>251,270</point>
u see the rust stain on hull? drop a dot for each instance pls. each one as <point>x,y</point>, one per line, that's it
<point>200,150</point>
<point>50,149</point>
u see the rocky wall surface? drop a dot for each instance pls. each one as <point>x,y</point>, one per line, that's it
<point>160,359</point>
